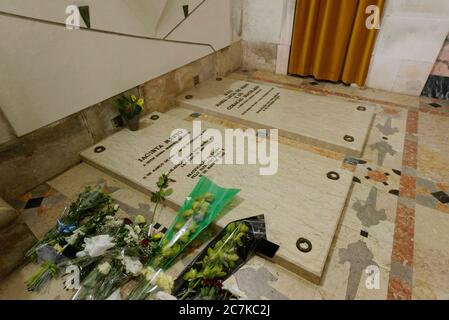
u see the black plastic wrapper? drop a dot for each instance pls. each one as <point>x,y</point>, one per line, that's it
<point>223,256</point>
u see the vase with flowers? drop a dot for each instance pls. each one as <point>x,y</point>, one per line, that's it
<point>130,108</point>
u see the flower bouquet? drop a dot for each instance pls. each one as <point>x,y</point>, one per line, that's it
<point>200,208</point>
<point>62,242</point>
<point>94,247</point>
<point>203,278</point>
<point>90,202</point>
<point>122,247</point>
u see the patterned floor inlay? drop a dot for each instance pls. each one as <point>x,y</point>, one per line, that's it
<point>400,285</point>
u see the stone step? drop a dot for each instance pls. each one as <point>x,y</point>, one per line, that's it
<point>15,238</point>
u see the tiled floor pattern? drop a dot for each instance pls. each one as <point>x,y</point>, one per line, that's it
<point>393,238</point>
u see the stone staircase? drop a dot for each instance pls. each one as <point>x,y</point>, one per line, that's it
<point>15,239</point>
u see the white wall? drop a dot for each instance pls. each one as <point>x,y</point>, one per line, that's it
<point>410,39</point>
<point>48,72</point>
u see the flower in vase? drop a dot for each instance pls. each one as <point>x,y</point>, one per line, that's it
<point>140,102</point>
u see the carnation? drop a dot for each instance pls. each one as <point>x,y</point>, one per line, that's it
<point>164,282</point>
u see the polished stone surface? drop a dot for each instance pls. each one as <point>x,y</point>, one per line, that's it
<point>299,201</point>
<point>335,124</point>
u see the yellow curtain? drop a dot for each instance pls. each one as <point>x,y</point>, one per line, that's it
<point>331,41</point>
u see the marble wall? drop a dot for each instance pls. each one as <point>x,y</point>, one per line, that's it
<point>267,31</point>
<point>437,85</point>
<point>410,39</point>
<point>36,157</point>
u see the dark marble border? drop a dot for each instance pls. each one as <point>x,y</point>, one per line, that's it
<point>437,87</point>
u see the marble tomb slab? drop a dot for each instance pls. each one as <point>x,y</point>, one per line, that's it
<point>334,124</point>
<point>299,201</point>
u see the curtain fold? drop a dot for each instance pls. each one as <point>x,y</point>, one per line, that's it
<point>330,40</point>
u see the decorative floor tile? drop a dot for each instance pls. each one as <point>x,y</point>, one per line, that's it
<point>433,153</point>
<point>424,291</point>
<point>441,196</point>
<point>261,279</point>
<point>384,179</point>
<point>431,248</point>
<point>371,212</point>
<point>34,203</point>
<point>386,140</point>
<point>358,268</point>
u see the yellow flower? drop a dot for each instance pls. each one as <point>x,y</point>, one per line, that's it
<point>139,219</point>
<point>165,282</point>
<point>133,98</point>
<point>58,248</point>
<point>157,236</point>
<point>140,102</point>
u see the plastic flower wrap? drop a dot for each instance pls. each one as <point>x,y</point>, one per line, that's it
<point>200,208</point>
<point>203,277</point>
